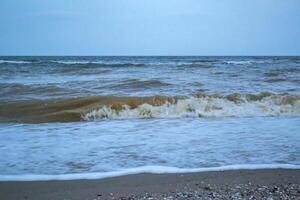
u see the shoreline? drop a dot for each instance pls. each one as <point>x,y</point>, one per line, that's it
<point>141,170</point>
<point>232,184</point>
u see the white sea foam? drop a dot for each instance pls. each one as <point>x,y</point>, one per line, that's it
<point>140,170</point>
<point>203,107</point>
<point>14,61</point>
<point>246,62</point>
<point>72,62</point>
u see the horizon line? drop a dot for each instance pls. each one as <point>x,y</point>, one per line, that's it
<point>76,55</point>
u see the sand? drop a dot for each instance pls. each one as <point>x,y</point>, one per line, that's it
<point>237,184</point>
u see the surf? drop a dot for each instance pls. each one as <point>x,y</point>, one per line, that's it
<point>198,105</point>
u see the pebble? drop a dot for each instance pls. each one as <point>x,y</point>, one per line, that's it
<point>238,192</point>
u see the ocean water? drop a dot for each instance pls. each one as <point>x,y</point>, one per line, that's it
<point>87,117</point>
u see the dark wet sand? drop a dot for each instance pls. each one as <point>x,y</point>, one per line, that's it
<point>240,184</point>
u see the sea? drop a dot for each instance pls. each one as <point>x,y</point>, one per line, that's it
<point>95,117</point>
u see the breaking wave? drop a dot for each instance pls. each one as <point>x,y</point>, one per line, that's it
<point>111,107</point>
<point>201,105</point>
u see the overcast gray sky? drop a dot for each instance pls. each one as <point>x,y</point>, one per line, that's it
<point>150,27</point>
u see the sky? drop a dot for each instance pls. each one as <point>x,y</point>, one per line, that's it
<point>150,27</point>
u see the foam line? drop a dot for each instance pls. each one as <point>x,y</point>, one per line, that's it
<point>14,61</point>
<point>139,170</point>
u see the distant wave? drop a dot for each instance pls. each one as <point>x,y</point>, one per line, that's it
<point>127,63</point>
<point>197,65</point>
<point>246,62</point>
<point>75,62</point>
<point>140,84</point>
<point>192,63</point>
<point>84,62</point>
<point>15,61</point>
<point>140,170</point>
<point>110,107</point>
<point>7,89</point>
<point>111,63</point>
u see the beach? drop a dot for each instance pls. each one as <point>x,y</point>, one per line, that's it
<point>234,184</point>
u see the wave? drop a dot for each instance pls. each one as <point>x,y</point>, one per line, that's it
<point>17,88</point>
<point>275,80</point>
<point>110,107</point>
<point>247,62</point>
<point>141,170</point>
<point>140,84</point>
<point>14,62</point>
<point>198,63</point>
<point>202,105</point>
<point>152,63</point>
<point>137,64</point>
<point>100,63</point>
<point>111,63</point>
<point>75,63</point>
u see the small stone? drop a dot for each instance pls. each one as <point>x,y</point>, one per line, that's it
<point>207,188</point>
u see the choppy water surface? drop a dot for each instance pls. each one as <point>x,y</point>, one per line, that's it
<point>62,115</point>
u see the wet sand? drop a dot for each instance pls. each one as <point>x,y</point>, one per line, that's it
<point>237,184</point>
